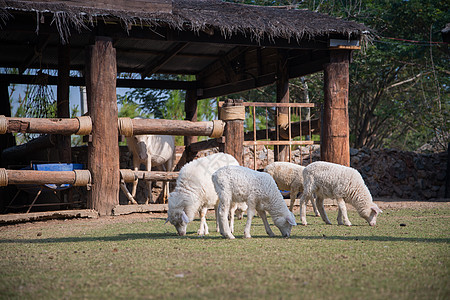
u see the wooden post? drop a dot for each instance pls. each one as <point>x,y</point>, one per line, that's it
<point>103,151</point>
<point>6,140</point>
<point>62,101</point>
<point>190,107</point>
<point>281,152</point>
<point>334,142</point>
<point>234,134</point>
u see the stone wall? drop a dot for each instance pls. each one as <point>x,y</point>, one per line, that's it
<point>387,172</point>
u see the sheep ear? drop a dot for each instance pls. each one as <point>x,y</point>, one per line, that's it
<point>376,209</point>
<point>167,220</point>
<point>184,217</point>
<point>291,220</point>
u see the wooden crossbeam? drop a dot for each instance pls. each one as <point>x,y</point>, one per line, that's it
<point>154,65</point>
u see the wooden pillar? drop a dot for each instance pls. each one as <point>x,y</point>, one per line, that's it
<point>62,101</point>
<point>6,140</point>
<point>103,151</point>
<point>334,142</point>
<point>190,107</point>
<point>234,134</point>
<point>281,153</point>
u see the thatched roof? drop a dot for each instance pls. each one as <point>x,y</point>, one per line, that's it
<point>256,22</point>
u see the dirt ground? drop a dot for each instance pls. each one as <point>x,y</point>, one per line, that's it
<point>384,204</point>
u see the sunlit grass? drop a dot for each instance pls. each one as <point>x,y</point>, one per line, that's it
<point>405,257</point>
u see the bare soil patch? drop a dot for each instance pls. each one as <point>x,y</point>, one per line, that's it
<point>383,203</point>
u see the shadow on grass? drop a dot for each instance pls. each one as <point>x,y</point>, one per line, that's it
<point>192,236</point>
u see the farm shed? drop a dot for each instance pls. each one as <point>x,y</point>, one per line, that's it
<point>228,47</point>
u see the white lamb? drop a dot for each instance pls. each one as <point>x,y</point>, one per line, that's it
<point>152,150</point>
<point>289,176</point>
<point>328,180</point>
<point>260,192</point>
<point>194,191</point>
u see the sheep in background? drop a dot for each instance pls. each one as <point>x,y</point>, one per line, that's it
<point>260,192</point>
<point>194,191</point>
<point>237,209</point>
<point>328,180</point>
<point>289,176</point>
<point>152,150</point>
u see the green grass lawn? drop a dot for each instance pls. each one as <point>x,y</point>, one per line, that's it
<point>144,259</point>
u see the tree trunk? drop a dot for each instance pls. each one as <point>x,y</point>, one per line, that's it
<point>281,153</point>
<point>103,151</point>
<point>190,107</point>
<point>334,145</point>
<point>62,101</point>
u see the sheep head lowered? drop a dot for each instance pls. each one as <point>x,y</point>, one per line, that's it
<point>371,214</point>
<point>285,224</point>
<point>179,219</point>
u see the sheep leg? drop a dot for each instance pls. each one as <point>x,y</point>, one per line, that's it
<point>293,195</point>
<point>136,164</point>
<point>149,183</point>
<point>316,211</point>
<point>303,199</point>
<point>167,167</point>
<point>250,215</point>
<point>262,214</point>
<point>232,211</point>
<point>216,212</point>
<point>323,214</point>
<point>342,213</point>
<point>203,225</point>
<point>224,209</point>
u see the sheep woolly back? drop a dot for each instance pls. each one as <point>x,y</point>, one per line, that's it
<point>336,181</point>
<point>258,189</point>
<point>286,175</point>
<point>194,187</point>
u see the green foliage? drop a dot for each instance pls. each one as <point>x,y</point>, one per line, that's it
<point>399,90</point>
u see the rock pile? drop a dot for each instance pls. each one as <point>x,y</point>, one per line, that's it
<point>387,172</point>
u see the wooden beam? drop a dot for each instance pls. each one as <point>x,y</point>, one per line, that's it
<point>172,127</point>
<point>140,208</point>
<point>154,65</point>
<point>66,126</point>
<point>48,215</point>
<point>103,151</point>
<point>204,145</point>
<point>153,176</point>
<point>335,144</point>
<point>190,107</point>
<point>213,67</point>
<point>239,86</point>
<point>6,140</point>
<point>40,177</point>
<point>295,131</point>
<point>16,152</point>
<point>43,40</point>
<point>278,143</point>
<point>62,101</point>
<point>234,134</point>
<point>282,153</point>
<point>127,83</point>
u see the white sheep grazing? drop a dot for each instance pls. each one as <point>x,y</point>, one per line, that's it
<point>194,191</point>
<point>328,180</point>
<point>152,150</point>
<point>289,176</point>
<point>259,191</point>
<point>237,209</point>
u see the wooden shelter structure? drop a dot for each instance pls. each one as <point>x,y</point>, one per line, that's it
<point>228,47</point>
